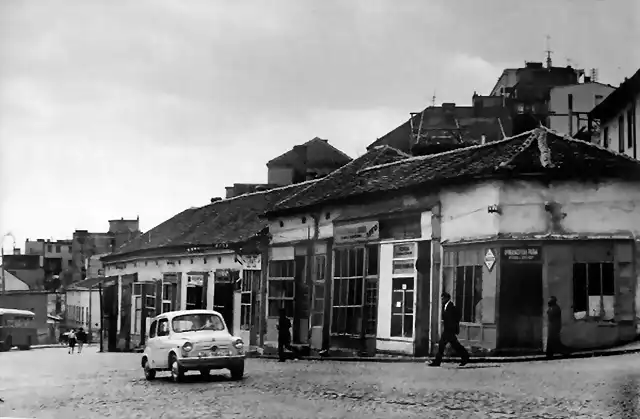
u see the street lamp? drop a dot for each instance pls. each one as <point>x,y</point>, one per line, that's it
<point>4,286</point>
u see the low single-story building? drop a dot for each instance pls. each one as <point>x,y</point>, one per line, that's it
<point>358,259</point>
<point>207,257</point>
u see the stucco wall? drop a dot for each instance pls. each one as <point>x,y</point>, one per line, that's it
<point>606,208</point>
<point>80,298</point>
<point>465,212</point>
<point>584,100</point>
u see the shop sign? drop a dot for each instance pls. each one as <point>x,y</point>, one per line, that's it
<point>364,231</point>
<point>404,267</point>
<point>197,280</point>
<point>404,250</point>
<point>251,261</point>
<point>521,254</point>
<point>489,259</point>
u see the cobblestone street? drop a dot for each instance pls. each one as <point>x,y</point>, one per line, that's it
<point>49,383</point>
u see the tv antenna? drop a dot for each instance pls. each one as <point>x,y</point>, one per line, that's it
<point>548,51</point>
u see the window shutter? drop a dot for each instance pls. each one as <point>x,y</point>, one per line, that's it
<point>177,295</point>
<point>625,292</point>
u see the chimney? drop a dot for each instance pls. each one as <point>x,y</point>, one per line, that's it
<point>216,199</point>
<point>448,106</point>
<point>230,191</point>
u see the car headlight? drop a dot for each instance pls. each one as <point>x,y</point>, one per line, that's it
<point>238,344</point>
<point>187,347</point>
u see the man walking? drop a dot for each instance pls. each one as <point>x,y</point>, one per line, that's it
<point>450,330</point>
<point>554,317</point>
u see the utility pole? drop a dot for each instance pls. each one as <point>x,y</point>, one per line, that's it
<point>101,318</point>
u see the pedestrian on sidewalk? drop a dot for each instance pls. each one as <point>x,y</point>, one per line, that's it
<point>450,330</point>
<point>554,341</point>
<point>81,337</point>
<point>72,340</point>
<point>284,335</point>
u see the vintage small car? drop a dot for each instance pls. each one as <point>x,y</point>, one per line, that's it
<point>181,341</point>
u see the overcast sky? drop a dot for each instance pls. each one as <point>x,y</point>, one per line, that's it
<point>114,108</point>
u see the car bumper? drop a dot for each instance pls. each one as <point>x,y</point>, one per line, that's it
<point>210,362</point>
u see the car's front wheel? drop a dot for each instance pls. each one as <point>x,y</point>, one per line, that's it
<point>177,372</point>
<point>149,373</point>
<point>237,371</point>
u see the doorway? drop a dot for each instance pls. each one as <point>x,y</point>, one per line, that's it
<point>223,293</point>
<point>194,297</point>
<point>521,306</point>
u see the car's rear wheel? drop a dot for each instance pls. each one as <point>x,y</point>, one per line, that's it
<point>237,371</point>
<point>177,372</point>
<point>149,373</point>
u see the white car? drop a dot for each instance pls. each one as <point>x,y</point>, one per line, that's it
<point>181,341</point>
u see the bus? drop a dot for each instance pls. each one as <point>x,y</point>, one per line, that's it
<point>17,329</point>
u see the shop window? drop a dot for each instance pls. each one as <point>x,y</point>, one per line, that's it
<point>593,290</point>
<point>402,307</point>
<point>319,277</point>
<point>348,282</point>
<point>371,290</point>
<point>281,287</point>
<point>246,297</point>
<point>138,314</point>
<point>468,292</point>
<point>167,296</point>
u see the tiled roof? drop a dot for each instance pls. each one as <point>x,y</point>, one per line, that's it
<point>540,151</point>
<point>339,179</point>
<point>225,222</point>
<point>318,152</point>
<point>618,99</point>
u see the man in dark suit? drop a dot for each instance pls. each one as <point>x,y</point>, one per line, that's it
<point>450,329</point>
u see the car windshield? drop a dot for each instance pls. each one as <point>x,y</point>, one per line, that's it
<point>193,322</point>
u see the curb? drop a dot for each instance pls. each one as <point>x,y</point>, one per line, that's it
<point>477,360</point>
<point>49,346</point>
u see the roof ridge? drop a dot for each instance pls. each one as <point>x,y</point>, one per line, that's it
<point>279,188</point>
<point>592,145</point>
<point>458,150</point>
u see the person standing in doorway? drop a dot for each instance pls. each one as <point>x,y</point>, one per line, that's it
<point>72,340</point>
<point>284,335</point>
<point>554,317</point>
<point>450,330</point>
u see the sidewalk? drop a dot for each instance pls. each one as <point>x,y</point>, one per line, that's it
<point>55,345</point>
<point>630,348</point>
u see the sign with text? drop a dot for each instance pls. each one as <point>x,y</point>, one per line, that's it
<point>521,254</point>
<point>404,250</point>
<point>404,267</point>
<point>251,261</point>
<point>357,232</point>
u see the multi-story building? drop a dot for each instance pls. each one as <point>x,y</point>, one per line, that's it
<point>570,105</point>
<point>618,116</point>
<point>53,249</point>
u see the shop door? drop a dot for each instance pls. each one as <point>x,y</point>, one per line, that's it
<point>521,306</point>
<point>301,305</point>
<point>223,302</point>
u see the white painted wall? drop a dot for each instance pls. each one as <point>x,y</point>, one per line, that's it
<point>607,208</point>
<point>584,100</point>
<point>13,283</point>
<point>612,125</point>
<point>465,212</point>
<point>293,229</point>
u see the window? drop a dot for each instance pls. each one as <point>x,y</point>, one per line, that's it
<point>468,292</point>
<point>605,137</point>
<point>138,313</point>
<point>630,128</point>
<point>621,134</point>
<point>281,287</point>
<point>152,329</point>
<point>58,249</point>
<point>163,327</point>
<point>319,277</point>
<point>167,297</point>
<point>246,297</point>
<point>70,262</point>
<point>195,322</point>
<point>49,248</point>
<point>593,290</point>
<point>403,284</point>
<point>70,249</point>
<point>353,280</point>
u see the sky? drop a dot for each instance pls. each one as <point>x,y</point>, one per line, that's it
<point>120,108</point>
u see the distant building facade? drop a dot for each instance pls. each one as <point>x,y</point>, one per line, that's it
<point>570,105</point>
<point>618,116</point>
